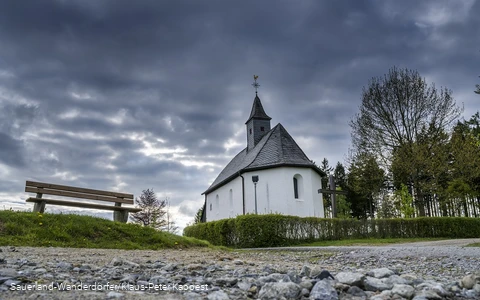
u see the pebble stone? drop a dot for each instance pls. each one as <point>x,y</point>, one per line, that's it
<point>360,273</point>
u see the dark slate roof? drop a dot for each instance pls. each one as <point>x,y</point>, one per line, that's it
<point>277,148</point>
<point>257,111</point>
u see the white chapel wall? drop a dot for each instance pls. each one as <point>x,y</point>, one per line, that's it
<point>230,202</point>
<point>316,184</point>
<point>275,194</point>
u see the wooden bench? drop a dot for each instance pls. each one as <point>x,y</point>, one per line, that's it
<point>120,213</point>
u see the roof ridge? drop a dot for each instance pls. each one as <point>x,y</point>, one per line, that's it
<point>268,135</point>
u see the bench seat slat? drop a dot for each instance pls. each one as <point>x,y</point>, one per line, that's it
<point>83,205</point>
<point>77,189</point>
<point>76,195</point>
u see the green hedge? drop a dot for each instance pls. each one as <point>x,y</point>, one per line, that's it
<point>274,230</point>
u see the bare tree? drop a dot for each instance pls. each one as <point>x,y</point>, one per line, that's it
<point>153,210</point>
<point>400,112</point>
<point>396,109</point>
<point>170,225</point>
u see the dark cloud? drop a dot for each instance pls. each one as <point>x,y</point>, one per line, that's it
<point>11,151</point>
<point>129,96</point>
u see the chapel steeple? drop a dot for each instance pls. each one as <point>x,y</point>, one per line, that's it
<point>258,124</point>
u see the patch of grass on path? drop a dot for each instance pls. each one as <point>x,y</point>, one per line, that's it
<point>369,242</point>
<point>77,231</point>
<point>473,245</point>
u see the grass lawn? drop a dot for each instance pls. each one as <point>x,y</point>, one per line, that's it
<point>77,231</point>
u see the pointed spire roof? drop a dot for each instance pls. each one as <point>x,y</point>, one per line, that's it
<point>257,110</point>
<point>276,149</point>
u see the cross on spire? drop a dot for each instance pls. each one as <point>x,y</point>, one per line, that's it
<point>255,84</point>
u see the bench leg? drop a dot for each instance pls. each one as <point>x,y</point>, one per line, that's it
<point>120,216</point>
<point>39,207</point>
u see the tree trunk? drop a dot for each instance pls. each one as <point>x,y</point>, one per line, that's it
<point>460,208</point>
<point>419,202</point>
<point>476,206</point>
<point>371,207</point>
<point>473,208</point>
<point>443,207</point>
<point>465,207</point>
<point>428,203</point>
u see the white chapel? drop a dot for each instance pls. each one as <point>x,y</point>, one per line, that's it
<point>271,175</point>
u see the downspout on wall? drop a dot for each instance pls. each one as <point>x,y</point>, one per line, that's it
<point>243,191</point>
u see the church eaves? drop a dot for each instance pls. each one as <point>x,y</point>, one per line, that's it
<point>276,149</point>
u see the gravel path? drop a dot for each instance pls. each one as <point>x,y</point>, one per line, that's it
<point>447,248</point>
<point>427,270</point>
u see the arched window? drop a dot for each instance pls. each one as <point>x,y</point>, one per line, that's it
<point>230,198</point>
<point>210,206</point>
<point>298,186</point>
<point>295,187</point>
<point>217,203</point>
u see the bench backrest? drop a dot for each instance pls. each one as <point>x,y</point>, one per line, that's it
<point>76,192</point>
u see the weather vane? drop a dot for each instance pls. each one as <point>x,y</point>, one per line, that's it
<point>255,84</point>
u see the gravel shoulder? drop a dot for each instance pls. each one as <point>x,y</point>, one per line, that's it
<point>441,261</point>
<point>445,248</point>
<point>443,243</point>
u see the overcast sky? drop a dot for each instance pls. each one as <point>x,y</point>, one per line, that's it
<point>131,95</point>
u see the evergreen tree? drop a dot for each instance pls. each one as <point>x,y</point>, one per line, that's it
<point>343,206</point>
<point>325,167</point>
<point>153,210</point>
<point>365,183</point>
<point>404,202</point>
<point>340,176</point>
<point>386,206</point>
<point>198,216</point>
<point>464,185</point>
<point>473,127</point>
<point>422,166</point>
<point>327,202</point>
